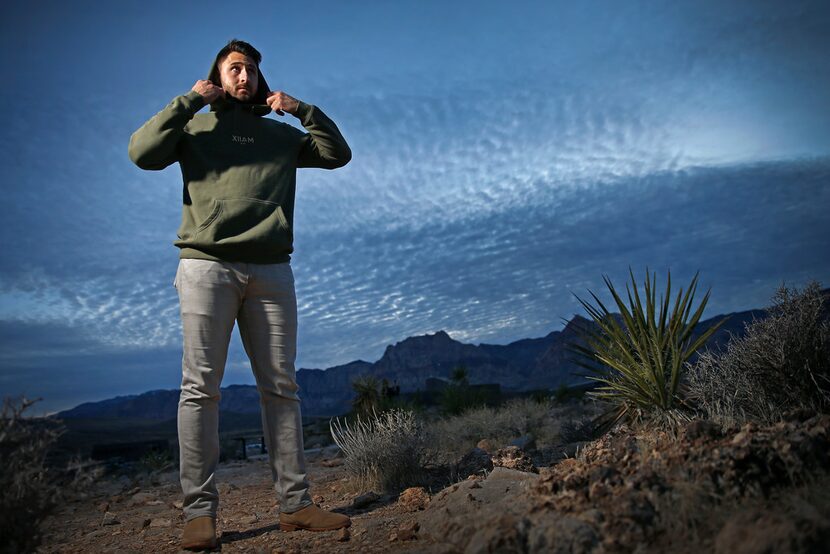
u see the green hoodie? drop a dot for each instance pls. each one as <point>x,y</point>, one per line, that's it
<point>239,172</point>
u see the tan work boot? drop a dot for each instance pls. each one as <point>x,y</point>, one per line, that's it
<point>312,518</point>
<point>199,534</point>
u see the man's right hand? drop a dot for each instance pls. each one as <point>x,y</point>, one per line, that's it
<point>208,90</point>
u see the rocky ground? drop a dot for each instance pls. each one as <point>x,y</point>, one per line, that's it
<point>743,490</point>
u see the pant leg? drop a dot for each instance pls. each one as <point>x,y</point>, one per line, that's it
<point>209,297</point>
<point>268,327</point>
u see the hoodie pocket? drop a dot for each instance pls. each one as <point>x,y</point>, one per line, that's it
<point>238,226</point>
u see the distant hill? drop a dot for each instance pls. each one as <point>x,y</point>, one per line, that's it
<point>524,365</point>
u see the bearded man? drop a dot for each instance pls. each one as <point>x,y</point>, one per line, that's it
<point>235,240</point>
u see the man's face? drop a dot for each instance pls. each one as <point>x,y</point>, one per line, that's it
<point>239,75</point>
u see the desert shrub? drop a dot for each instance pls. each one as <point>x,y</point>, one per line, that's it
<point>452,437</point>
<point>459,396</point>
<point>781,363</point>
<point>639,357</point>
<point>367,395</point>
<point>156,461</point>
<point>373,395</point>
<point>576,430</point>
<point>384,452</point>
<point>29,490</point>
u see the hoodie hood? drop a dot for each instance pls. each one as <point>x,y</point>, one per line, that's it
<point>257,104</point>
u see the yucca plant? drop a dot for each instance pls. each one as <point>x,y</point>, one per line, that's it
<point>367,395</point>
<point>640,356</point>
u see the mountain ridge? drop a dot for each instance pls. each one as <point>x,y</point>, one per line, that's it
<point>522,365</point>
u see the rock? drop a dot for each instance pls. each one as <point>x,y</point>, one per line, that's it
<point>226,488</point>
<point>407,531</point>
<point>803,530</point>
<point>413,499</point>
<point>250,520</point>
<point>475,462</point>
<point>110,519</point>
<point>344,535</point>
<point>512,457</point>
<point>507,533</point>
<point>451,517</point>
<point>701,428</point>
<point>104,507</point>
<point>526,443</point>
<point>562,535</point>
<point>487,445</point>
<point>365,500</point>
<point>178,504</point>
<point>141,498</point>
<point>160,522</point>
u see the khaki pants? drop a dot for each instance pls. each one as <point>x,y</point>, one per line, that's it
<point>260,297</point>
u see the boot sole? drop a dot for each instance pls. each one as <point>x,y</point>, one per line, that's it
<point>201,546</point>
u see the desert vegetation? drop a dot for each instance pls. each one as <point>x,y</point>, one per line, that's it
<point>781,363</point>
<point>30,489</point>
<point>678,448</point>
<point>384,451</point>
<point>677,445</point>
<point>640,358</point>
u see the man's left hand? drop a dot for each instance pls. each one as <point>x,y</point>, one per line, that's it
<point>281,102</point>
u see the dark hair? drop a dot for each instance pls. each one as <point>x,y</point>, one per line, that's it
<point>245,49</point>
<point>240,46</point>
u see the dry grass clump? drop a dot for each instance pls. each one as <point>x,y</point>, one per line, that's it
<point>29,491</point>
<point>781,363</point>
<point>453,437</point>
<point>383,452</point>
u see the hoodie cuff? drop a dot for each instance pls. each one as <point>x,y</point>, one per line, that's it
<point>193,101</point>
<point>303,112</point>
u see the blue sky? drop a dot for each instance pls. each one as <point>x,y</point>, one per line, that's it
<point>506,156</point>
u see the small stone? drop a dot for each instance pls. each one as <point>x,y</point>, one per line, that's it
<point>407,531</point>
<point>110,519</point>
<point>476,462</point>
<point>413,499</point>
<point>178,504</point>
<point>344,534</point>
<point>512,457</point>
<point>250,520</point>
<point>104,507</point>
<point>365,500</point>
<point>318,498</point>
<point>487,445</point>
<point>160,522</point>
<point>740,439</point>
<point>141,498</point>
<point>225,488</point>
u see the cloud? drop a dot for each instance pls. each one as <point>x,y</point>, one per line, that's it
<point>497,169</point>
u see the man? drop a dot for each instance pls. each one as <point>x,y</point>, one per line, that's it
<point>236,235</point>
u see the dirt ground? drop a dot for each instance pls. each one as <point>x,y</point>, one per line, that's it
<point>122,515</point>
<point>744,490</point>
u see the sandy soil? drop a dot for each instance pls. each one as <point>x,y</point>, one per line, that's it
<point>123,515</point>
